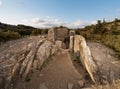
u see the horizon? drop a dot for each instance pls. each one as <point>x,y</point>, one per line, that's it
<point>52,13</point>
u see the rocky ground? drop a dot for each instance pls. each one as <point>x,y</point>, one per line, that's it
<point>58,74</point>
<point>26,56</point>
<point>107,60</point>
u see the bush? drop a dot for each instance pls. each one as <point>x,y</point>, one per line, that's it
<point>9,35</point>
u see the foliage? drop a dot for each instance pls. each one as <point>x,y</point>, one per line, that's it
<point>11,32</point>
<point>8,35</point>
<point>105,32</point>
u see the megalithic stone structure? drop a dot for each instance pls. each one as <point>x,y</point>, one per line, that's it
<point>82,51</point>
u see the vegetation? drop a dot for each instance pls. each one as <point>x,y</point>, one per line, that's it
<point>105,32</point>
<point>11,32</point>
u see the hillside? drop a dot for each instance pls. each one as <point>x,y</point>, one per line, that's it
<point>11,32</point>
<point>107,33</point>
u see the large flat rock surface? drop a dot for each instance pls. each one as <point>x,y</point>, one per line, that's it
<point>107,60</point>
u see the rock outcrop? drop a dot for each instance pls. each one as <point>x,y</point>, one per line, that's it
<point>20,57</point>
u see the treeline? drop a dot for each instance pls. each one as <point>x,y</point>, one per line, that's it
<point>104,32</point>
<point>10,32</point>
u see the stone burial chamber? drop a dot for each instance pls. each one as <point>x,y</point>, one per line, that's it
<point>59,36</point>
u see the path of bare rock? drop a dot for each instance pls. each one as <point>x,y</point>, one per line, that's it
<point>58,74</point>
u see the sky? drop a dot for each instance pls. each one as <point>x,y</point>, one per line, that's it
<point>50,13</point>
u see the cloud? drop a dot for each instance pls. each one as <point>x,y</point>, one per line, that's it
<point>93,22</point>
<point>37,20</point>
<point>78,24</point>
<point>42,23</point>
<point>1,3</point>
<point>53,22</point>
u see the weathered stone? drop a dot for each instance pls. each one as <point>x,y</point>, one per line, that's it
<point>43,86</point>
<point>58,43</point>
<point>81,83</point>
<point>52,34</point>
<point>57,34</point>
<point>72,33</point>
<point>70,86</point>
<point>41,75</point>
<point>81,47</point>
<point>44,51</point>
<point>54,49</point>
<point>76,46</point>
<point>28,61</point>
<point>29,58</point>
<point>22,57</point>
<point>71,45</point>
<point>104,80</point>
<point>35,64</point>
<point>62,33</point>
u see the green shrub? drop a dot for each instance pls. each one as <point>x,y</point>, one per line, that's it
<point>9,35</point>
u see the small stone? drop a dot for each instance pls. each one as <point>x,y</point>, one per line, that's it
<point>11,85</point>
<point>70,85</point>
<point>81,83</point>
<point>58,43</point>
<point>104,80</point>
<point>108,56</point>
<point>112,77</point>
<point>41,75</point>
<point>42,86</point>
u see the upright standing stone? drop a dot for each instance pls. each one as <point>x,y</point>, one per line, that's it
<point>52,34</point>
<point>71,45</point>
<point>62,33</point>
<point>57,34</point>
<point>86,58</point>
